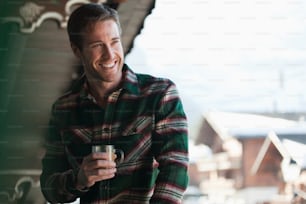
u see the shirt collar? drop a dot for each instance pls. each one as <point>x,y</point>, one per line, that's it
<point>130,80</point>
<point>129,83</point>
<point>84,91</point>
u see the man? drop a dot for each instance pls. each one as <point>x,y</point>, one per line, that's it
<point>139,114</point>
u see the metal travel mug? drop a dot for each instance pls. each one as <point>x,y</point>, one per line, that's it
<point>116,155</point>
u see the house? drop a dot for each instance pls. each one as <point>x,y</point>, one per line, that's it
<point>235,140</point>
<point>290,148</point>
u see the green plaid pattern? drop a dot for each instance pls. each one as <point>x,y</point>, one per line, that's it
<point>144,118</point>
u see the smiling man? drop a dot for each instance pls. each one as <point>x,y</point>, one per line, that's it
<point>140,114</point>
<point>102,57</point>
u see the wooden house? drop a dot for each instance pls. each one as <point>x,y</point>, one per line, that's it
<point>284,154</point>
<point>235,140</point>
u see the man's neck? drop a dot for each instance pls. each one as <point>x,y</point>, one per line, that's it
<point>101,90</point>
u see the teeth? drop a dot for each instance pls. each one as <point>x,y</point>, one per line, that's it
<point>108,65</point>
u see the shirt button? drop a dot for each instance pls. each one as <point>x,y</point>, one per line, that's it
<point>134,130</point>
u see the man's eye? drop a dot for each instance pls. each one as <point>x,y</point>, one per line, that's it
<point>116,41</point>
<point>96,45</point>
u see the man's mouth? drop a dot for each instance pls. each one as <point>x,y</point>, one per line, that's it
<point>109,65</point>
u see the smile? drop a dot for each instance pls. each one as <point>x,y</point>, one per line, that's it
<point>110,65</point>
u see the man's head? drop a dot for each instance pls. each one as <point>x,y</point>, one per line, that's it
<point>84,17</point>
<point>95,38</point>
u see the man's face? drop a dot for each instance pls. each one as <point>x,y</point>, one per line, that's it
<point>102,54</point>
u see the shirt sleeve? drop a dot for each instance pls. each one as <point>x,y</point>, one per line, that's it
<point>170,148</point>
<point>58,178</point>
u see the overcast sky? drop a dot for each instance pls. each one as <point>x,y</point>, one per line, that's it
<point>244,55</point>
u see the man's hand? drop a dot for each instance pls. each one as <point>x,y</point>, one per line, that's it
<point>95,167</point>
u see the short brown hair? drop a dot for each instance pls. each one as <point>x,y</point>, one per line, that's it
<point>85,15</point>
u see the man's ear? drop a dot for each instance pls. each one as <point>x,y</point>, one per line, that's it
<point>76,50</point>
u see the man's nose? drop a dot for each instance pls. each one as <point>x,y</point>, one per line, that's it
<point>108,52</point>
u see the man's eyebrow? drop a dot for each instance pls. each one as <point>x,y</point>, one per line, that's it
<point>99,41</point>
<point>94,42</point>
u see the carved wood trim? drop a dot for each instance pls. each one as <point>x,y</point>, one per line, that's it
<point>15,189</point>
<point>31,14</point>
<point>18,190</point>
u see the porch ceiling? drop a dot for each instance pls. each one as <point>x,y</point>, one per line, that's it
<point>31,14</point>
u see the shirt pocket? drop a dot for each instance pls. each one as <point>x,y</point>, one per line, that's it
<point>77,141</point>
<point>136,140</point>
<point>142,125</point>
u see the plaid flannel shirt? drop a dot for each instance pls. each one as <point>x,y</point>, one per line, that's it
<point>144,118</point>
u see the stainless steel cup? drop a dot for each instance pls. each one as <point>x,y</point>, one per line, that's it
<point>116,155</point>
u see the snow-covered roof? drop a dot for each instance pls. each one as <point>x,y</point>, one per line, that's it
<point>242,125</point>
<point>289,146</point>
<point>296,150</point>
